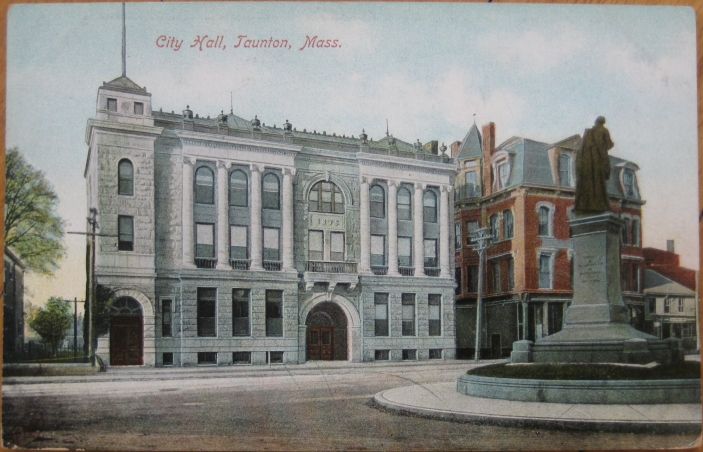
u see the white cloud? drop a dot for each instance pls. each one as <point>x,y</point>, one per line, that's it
<point>535,51</point>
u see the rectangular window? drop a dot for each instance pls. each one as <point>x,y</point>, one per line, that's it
<point>435,353</point>
<point>408,313</point>
<point>430,253</point>
<point>681,305</point>
<point>205,240</point>
<point>667,305</point>
<point>166,306</point>
<point>337,246</point>
<point>207,312</point>
<point>111,104</point>
<point>240,312</point>
<point>434,302</point>
<point>380,301</point>
<point>545,271</point>
<point>241,357</point>
<point>457,280</point>
<point>496,280</point>
<point>457,236</point>
<point>205,358</point>
<point>125,232</point>
<point>378,250</point>
<point>381,355</point>
<point>138,108</point>
<point>271,244</point>
<point>274,313</point>
<point>316,246</point>
<point>473,278</point>
<point>471,227</point>
<point>404,252</point>
<point>409,354</point>
<point>167,359</point>
<point>511,273</point>
<point>472,188</point>
<point>239,242</point>
<point>275,357</point>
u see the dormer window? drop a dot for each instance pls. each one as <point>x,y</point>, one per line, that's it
<point>111,104</point>
<point>472,187</point>
<point>628,179</point>
<point>138,108</point>
<point>501,170</point>
<point>565,170</point>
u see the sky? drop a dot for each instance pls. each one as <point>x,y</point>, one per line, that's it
<point>543,72</point>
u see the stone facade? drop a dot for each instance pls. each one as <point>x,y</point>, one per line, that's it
<point>299,242</point>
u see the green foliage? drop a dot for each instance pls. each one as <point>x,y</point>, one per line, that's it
<point>32,226</point>
<point>51,321</point>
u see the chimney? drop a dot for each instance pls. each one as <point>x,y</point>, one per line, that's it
<point>670,246</point>
<point>455,149</point>
<point>489,145</point>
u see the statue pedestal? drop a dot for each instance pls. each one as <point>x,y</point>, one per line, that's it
<point>596,327</point>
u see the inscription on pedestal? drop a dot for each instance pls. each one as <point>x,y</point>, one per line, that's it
<point>591,269</point>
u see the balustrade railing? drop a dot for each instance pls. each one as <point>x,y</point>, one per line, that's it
<point>272,266</point>
<point>406,271</point>
<point>379,269</point>
<point>240,264</point>
<point>432,271</point>
<point>205,262</point>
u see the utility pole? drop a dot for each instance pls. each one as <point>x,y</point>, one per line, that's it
<point>481,239</point>
<point>93,226</point>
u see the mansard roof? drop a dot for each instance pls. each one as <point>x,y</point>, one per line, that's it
<point>124,83</point>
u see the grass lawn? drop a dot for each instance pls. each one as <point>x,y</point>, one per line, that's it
<point>573,371</point>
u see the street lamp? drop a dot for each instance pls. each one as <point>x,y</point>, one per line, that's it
<point>481,239</point>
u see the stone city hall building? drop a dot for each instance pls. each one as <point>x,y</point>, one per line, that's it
<point>523,190</point>
<point>226,241</point>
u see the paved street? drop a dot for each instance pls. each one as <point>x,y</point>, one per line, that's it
<point>292,407</point>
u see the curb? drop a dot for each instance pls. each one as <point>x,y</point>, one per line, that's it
<point>623,426</point>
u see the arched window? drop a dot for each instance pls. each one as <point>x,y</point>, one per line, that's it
<point>377,201</point>
<point>204,186</point>
<point>429,202</point>
<point>326,197</point>
<point>507,225</point>
<point>545,227</point>
<point>404,211</point>
<point>125,176</point>
<point>565,170</point>
<point>238,189</point>
<point>270,199</point>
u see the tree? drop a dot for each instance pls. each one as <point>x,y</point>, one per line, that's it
<point>32,227</point>
<point>51,322</point>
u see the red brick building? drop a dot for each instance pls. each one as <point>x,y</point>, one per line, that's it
<point>524,191</point>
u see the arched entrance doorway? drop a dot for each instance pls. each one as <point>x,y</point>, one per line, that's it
<point>126,332</point>
<point>326,333</point>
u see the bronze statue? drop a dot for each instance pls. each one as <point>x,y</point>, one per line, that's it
<point>593,169</point>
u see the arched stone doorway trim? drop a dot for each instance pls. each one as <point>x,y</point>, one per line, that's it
<point>148,328</point>
<point>353,323</point>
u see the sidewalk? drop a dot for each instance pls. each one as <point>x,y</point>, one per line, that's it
<point>141,373</point>
<point>442,401</point>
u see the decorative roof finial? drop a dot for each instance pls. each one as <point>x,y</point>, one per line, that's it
<point>255,123</point>
<point>474,118</point>
<point>443,149</point>
<point>288,127</point>
<point>364,138</point>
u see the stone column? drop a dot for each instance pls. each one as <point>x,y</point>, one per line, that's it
<point>255,224</point>
<point>187,220</point>
<point>392,229</point>
<point>418,232</point>
<point>222,217</point>
<point>444,245</point>
<point>287,219</point>
<point>364,227</point>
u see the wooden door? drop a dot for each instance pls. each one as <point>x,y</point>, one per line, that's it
<point>126,341</point>
<point>320,343</point>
